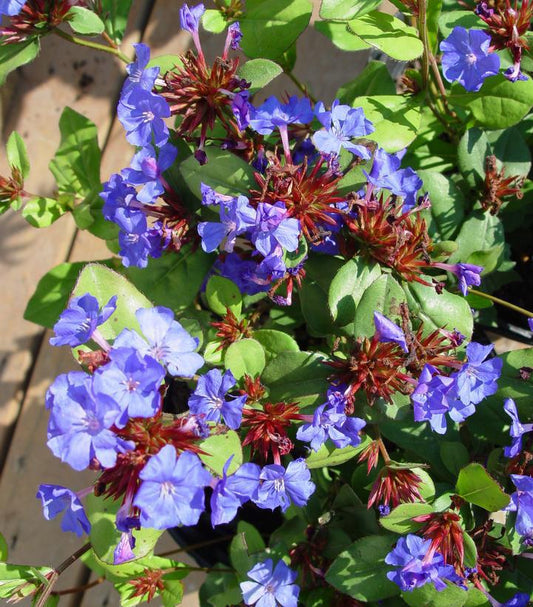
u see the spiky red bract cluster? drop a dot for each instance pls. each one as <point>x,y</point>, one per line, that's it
<point>11,188</point>
<point>445,531</point>
<point>230,329</point>
<point>268,428</point>
<point>253,388</point>
<point>375,367</point>
<point>199,94</point>
<point>150,435</point>
<point>508,24</point>
<point>36,18</point>
<point>498,186</point>
<point>148,584</point>
<point>398,239</point>
<point>394,486</point>
<point>492,557</point>
<point>433,349</point>
<point>308,191</point>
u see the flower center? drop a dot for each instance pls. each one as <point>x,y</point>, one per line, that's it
<point>471,58</point>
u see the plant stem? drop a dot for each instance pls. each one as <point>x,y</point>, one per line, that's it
<point>81,588</point>
<point>300,85</point>
<point>502,302</point>
<point>58,571</point>
<point>423,31</point>
<point>383,451</point>
<point>100,47</point>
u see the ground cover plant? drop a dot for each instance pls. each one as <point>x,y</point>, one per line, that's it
<point>282,357</point>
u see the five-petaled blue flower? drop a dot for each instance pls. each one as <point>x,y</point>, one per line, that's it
<point>172,489</point>
<point>466,58</point>
<point>522,504</point>
<point>270,588</point>
<point>209,399</point>
<point>279,486</point>
<point>517,429</point>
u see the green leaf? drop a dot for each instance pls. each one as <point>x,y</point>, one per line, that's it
<point>361,571</point>
<point>400,519</point>
<point>511,151</point>
<point>476,486</point>
<point>328,455</point>
<point>115,16</point>
<point>85,22</point>
<point>218,449</point>
<point>447,203</point>
<point>396,120</point>
<point>429,596</point>
<point>511,384</point>
<point>388,34</point>
<point>15,55</point>
<point>314,306</point>
<point>296,376</point>
<point>220,589</point>
<point>383,295</point>
<point>275,342</point>
<point>498,104</point>
<point>76,164</point>
<point>348,287</point>
<point>213,21</point>
<point>244,548</point>
<point>103,283</point>
<point>434,9</point>
<point>224,172</point>
<point>221,293</point>
<point>480,232</point>
<point>454,456</point>
<point>373,80</point>
<point>245,356</point>
<point>444,310</point>
<point>20,580</point>
<point>259,72</point>
<point>473,148</point>
<point>165,63</point>
<point>17,155</point>
<point>174,279</point>
<point>450,19</point>
<point>340,36</point>
<point>105,536</point>
<point>52,293</point>
<point>41,212</point>
<point>270,28</point>
<point>343,10</point>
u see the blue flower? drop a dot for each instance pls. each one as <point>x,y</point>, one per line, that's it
<point>279,486</point>
<point>190,17</point>
<point>414,569</point>
<point>137,247</point>
<point>166,341</point>
<point>231,492</point>
<point>138,73</point>
<point>78,322</point>
<point>517,429</point>
<point>387,331</point>
<point>520,599</point>
<point>478,377</point>
<point>243,272</point>
<point>330,421</point>
<point>141,114</point>
<point>271,588</point>
<point>79,426</point>
<point>11,7</point>
<point>234,36</point>
<point>342,124</point>
<point>241,108</point>
<point>209,399</point>
<point>522,504</point>
<point>236,216</point>
<point>56,499</point>
<point>386,173</point>
<point>273,228</point>
<point>133,381</point>
<point>466,58</point>
<point>121,205</point>
<point>431,398</point>
<point>147,169</point>
<point>172,489</point>
<point>274,114</point>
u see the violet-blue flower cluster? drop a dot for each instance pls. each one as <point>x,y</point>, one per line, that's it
<point>437,395</point>
<point>414,569</point>
<point>129,197</point>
